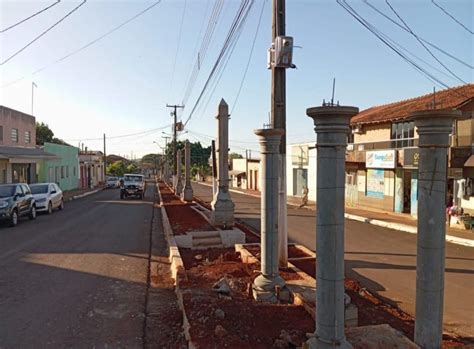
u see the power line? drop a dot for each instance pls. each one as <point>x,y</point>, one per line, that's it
<point>389,42</point>
<point>241,15</point>
<point>146,132</point>
<point>90,43</point>
<point>425,41</point>
<point>28,18</point>
<point>250,58</point>
<point>177,48</point>
<point>422,44</point>
<point>44,33</point>
<point>452,17</point>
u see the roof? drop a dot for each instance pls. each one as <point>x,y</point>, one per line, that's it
<point>18,152</point>
<point>452,98</point>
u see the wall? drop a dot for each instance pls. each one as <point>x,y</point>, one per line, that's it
<point>10,119</point>
<point>67,164</point>
<point>386,201</point>
<point>310,167</point>
<point>3,171</point>
<point>374,133</point>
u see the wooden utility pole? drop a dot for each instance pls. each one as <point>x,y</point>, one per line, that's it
<point>278,119</point>
<point>105,158</point>
<point>175,135</point>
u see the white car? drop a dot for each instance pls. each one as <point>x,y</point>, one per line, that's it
<point>48,196</point>
<point>112,182</point>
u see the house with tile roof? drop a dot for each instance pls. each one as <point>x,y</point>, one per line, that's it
<point>382,155</point>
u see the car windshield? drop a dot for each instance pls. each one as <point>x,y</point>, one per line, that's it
<point>133,178</point>
<point>7,190</point>
<point>39,189</point>
<point>112,179</point>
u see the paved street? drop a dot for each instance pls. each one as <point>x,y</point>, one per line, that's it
<point>77,278</point>
<point>383,260</point>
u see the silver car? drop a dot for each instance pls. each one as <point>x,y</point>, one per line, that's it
<point>48,196</point>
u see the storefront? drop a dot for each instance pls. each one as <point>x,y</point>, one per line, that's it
<point>376,185</point>
<point>406,182</point>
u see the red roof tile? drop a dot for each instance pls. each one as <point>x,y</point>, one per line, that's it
<point>446,99</point>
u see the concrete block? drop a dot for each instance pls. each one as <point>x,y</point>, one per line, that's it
<point>184,241</point>
<point>231,237</point>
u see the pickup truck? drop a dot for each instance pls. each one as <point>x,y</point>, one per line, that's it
<point>132,185</point>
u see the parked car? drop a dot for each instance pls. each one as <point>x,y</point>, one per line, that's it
<point>16,201</point>
<point>132,185</point>
<point>48,196</point>
<point>112,182</point>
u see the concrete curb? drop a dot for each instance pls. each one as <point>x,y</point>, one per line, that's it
<point>177,268</point>
<point>394,226</point>
<point>75,197</point>
<point>407,229</point>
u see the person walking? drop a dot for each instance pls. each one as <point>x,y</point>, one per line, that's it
<point>304,198</point>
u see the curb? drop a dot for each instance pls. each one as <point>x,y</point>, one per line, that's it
<point>394,226</point>
<point>407,229</point>
<point>75,197</point>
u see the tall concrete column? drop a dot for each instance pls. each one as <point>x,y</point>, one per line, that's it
<point>222,205</point>
<point>187,194</point>
<point>179,180</point>
<point>434,128</point>
<point>265,285</point>
<point>332,125</point>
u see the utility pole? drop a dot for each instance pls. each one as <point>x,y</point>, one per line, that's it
<point>278,119</point>
<point>105,158</point>
<point>174,114</point>
<point>33,85</point>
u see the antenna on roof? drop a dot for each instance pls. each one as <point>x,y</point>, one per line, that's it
<point>333,88</point>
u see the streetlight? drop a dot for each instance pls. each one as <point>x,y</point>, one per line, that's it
<point>33,85</point>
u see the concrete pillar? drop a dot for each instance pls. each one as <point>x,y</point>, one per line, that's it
<point>434,128</point>
<point>332,125</point>
<point>187,194</point>
<point>265,285</point>
<point>222,205</point>
<point>179,180</point>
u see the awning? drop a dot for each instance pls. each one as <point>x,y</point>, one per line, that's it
<point>25,153</point>
<point>469,162</point>
<point>236,172</point>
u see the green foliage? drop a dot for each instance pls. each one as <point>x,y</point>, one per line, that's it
<point>235,156</point>
<point>151,159</point>
<point>199,156</point>
<point>117,168</point>
<point>43,134</point>
<point>132,168</point>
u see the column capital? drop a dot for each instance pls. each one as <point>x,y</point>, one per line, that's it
<point>434,126</point>
<point>332,119</point>
<point>269,139</point>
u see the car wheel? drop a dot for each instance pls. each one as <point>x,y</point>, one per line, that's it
<point>32,212</point>
<point>61,205</point>
<point>50,208</point>
<point>14,218</point>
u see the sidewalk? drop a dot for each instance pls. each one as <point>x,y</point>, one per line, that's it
<point>391,220</point>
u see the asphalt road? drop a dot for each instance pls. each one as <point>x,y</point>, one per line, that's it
<point>77,278</point>
<point>382,260</point>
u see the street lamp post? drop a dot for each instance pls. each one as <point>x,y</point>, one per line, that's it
<point>33,85</point>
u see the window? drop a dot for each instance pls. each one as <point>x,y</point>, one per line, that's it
<point>26,189</point>
<point>27,137</point>
<point>74,171</point>
<point>403,134</point>
<point>1,133</point>
<point>15,135</point>
<point>62,172</point>
<point>67,171</point>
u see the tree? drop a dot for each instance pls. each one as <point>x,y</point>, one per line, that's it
<point>43,133</point>
<point>132,168</point>
<point>117,168</point>
<point>151,159</point>
<point>235,156</point>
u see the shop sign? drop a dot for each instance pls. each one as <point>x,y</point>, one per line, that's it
<point>455,173</point>
<point>411,157</point>
<point>380,159</point>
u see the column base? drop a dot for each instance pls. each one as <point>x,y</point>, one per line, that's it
<point>222,210</point>
<point>316,343</point>
<point>178,189</point>
<point>270,289</point>
<point>187,194</point>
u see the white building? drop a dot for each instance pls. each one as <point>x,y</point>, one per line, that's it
<point>301,169</point>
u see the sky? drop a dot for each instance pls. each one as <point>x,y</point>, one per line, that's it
<point>121,84</point>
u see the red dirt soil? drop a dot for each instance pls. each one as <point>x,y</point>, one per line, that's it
<point>245,322</point>
<point>182,217</point>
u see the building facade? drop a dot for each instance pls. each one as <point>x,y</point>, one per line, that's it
<point>382,155</point>
<point>301,169</point>
<point>91,172</point>
<point>64,170</point>
<point>19,156</point>
<point>245,174</point>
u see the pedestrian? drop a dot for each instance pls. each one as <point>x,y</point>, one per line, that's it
<point>304,198</point>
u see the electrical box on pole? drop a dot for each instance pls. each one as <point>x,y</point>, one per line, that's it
<point>280,55</point>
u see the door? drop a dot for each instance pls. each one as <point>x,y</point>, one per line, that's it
<point>300,181</point>
<point>256,179</point>
<point>406,191</point>
<point>351,188</point>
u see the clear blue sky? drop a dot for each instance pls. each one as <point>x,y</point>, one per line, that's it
<point>121,84</point>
